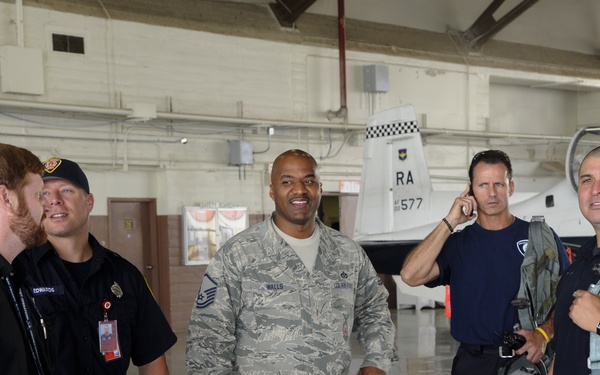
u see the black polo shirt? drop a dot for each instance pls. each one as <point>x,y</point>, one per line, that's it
<point>143,331</point>
<point>15,355</point>
<point>572,344</point>
<point>15,351</point>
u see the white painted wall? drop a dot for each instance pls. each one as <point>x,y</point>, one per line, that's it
<point>213,75</point>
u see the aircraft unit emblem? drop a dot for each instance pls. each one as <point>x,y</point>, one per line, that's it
<point>402,154</point>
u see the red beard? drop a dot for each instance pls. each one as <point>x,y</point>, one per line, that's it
<point>24,226</point>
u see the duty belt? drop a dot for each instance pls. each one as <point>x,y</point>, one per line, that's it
<point>501,351</point>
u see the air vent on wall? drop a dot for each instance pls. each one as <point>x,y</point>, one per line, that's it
<point>68,43</point>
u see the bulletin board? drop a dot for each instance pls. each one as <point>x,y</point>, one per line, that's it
<point>205,230</point>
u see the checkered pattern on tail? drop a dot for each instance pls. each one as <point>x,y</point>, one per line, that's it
<point>379,131</point>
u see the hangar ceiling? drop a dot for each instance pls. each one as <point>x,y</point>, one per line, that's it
<point>550,36</point>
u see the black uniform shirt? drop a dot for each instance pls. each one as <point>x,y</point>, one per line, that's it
<point>15,356</point>
<point>143,331</point>
<point>572,344</point>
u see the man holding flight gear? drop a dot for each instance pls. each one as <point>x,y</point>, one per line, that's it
<point>482,264</point>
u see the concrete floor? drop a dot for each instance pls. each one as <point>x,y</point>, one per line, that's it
<point>423,342</point>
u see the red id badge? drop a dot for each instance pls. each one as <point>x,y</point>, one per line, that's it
<point>109,339</point>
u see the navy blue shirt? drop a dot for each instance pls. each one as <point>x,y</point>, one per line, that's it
<point>571,343</point>
<point>483,269</point>
<point>143,331</point>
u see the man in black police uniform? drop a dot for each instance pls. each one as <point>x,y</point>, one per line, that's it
<point>80,285</point>
<point>24,341</point>
<point>576,313</point>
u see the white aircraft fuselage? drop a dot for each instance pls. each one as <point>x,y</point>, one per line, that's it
<point>397,206</point>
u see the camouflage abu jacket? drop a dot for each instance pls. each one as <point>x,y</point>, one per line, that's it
<point>259,310</point>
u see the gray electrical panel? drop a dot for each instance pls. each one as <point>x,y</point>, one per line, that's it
<point>240,153</point>
<point>375,78</point>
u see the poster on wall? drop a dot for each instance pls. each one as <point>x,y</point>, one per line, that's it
<point>207,229</point>
<point>231,221</point>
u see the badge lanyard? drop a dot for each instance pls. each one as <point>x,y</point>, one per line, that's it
<point>106,305</point>
<point>109,340</point>
<point>27,324</point>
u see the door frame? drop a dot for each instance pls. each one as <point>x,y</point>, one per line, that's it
<point>346,210</point>
<point>158,259</point>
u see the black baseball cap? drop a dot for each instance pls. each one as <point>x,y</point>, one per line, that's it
<point>66,170</point>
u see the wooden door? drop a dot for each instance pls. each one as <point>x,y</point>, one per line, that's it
<point>132,228</point>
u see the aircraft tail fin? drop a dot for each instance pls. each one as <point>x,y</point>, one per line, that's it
<point>395,181</point>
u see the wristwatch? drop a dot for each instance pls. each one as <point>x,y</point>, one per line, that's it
<point>598,328</point>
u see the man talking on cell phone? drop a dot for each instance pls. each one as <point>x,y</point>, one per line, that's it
<point>482,265</point>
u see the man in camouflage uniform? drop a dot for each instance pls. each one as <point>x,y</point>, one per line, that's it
<point>283,296</point>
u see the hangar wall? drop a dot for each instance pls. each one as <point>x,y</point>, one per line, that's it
<point>184,71</point>
<point>246,86</point>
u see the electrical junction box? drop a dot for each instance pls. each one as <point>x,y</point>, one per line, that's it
<point>240,153</point>
<point>376,78</point>
<point>21,70</point>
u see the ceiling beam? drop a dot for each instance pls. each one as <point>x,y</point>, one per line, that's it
<point>487,26</point>
<point>288,11</point>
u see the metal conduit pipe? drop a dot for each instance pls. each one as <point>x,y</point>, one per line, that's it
<point>176,116</point>
<point>343,111</point>
<point>64,108</point>
<point>250,122</point>
<point>19,23</point>
<point>263,122</point>
<point>90,139</point>
<point>496,135</point>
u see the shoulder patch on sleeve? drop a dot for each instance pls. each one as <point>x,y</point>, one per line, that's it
<point>207,293</point>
